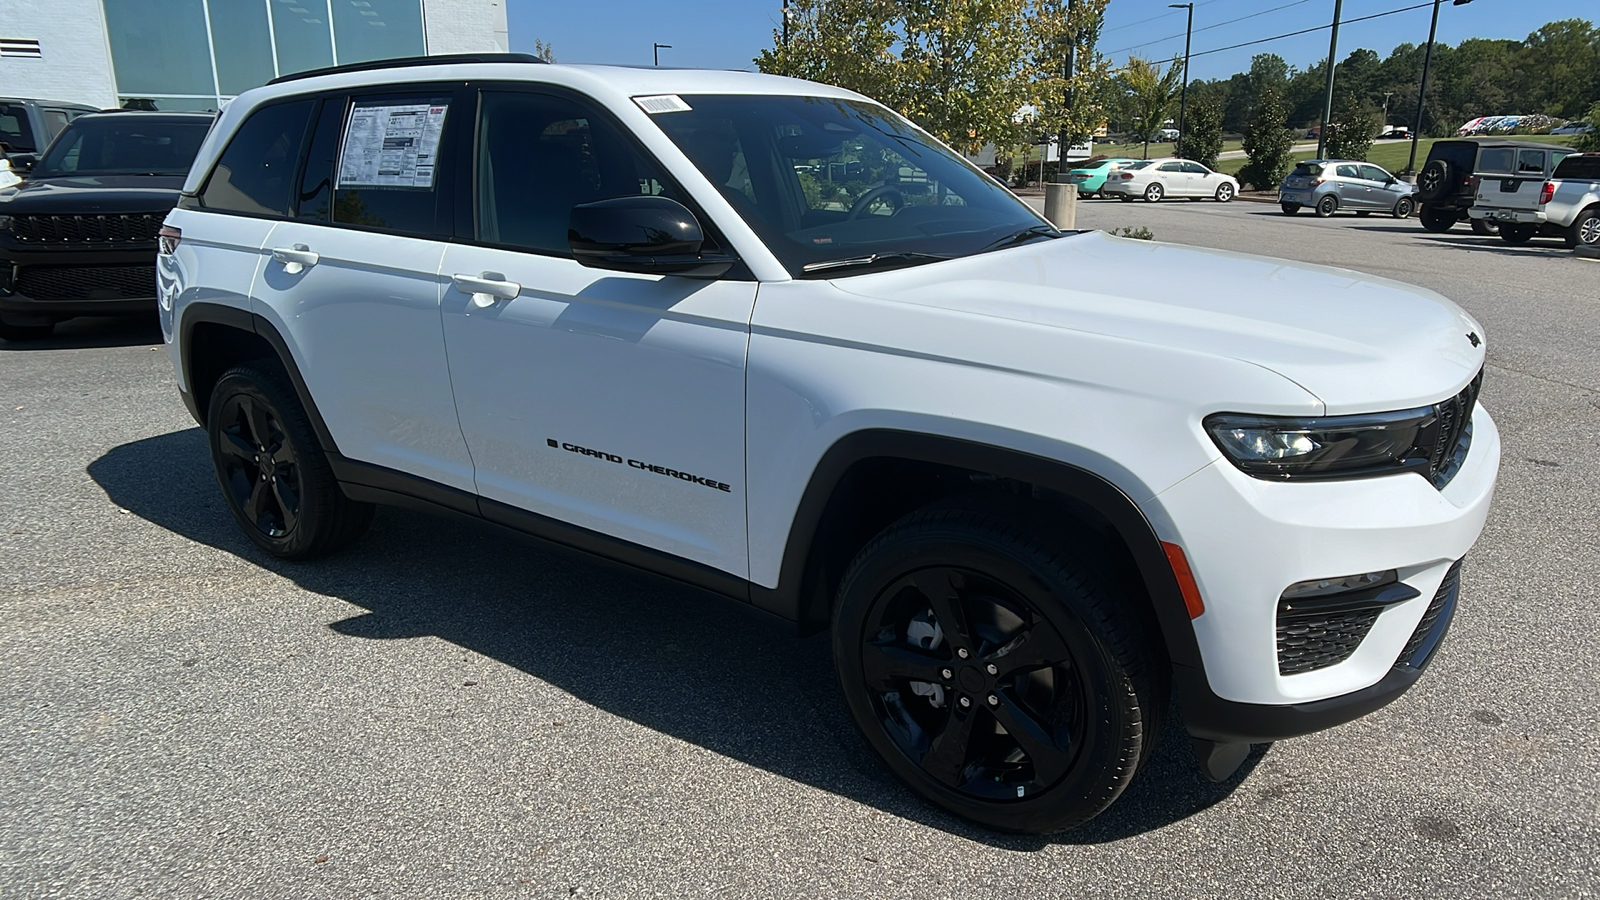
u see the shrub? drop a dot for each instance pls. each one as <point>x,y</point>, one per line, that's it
<point>1267,142</point>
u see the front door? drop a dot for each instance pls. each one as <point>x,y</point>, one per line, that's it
<point>607,400</point>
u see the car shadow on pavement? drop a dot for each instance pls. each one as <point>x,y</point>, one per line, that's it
<point>701,668</point>
<point>95,332</point>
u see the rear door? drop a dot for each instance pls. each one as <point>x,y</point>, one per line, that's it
<point>1351,189</point>
<point>1174,181</point>
<point>1510,178</point>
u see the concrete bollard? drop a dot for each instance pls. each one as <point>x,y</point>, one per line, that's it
<point>1061,205</point>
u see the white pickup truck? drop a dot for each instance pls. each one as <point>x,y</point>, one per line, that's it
<point>1566,205</point>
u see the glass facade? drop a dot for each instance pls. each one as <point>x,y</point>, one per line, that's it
<point>198,54</point>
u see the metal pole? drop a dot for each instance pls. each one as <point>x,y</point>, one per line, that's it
<point>1064,137</point>
<point>1183,99</point>
<point>1327,100</point>
<point>785,24</point>
<point>656,49</point>
<point>1422,93</point>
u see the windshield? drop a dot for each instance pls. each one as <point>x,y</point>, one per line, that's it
<point>124,145</point>
<point>825,181</point>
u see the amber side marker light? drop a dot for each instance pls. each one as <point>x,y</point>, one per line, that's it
<point>1185,576</point>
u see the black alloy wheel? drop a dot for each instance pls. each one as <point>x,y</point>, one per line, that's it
<point>1434,181</point>
<point>273,473</point>
<point>1402,208</point>
<point>994,674</point>
<point>1327,206</point>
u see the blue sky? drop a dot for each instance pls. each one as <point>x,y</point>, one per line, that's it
<point>727,34</point>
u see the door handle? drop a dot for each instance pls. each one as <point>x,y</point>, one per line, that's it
<point>295,259</point>
<point>486,289</point>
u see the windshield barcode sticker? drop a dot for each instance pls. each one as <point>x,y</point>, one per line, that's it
<point>662,103</point>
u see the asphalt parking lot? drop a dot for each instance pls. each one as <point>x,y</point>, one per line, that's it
<point>444,712</point>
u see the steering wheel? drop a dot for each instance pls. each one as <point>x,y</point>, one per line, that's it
<point>897,201</point>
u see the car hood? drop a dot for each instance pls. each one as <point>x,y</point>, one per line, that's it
<point>92,194</point>
<point>1357,342</point>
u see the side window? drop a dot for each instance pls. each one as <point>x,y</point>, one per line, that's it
<point>314,197</point>
<point>1495,159</point>
<point>1196,169</point>
<point>54,121</point>
<point>1346,172</point>
<point>256,171</point>
<point>1373,173</point>
<point>1530,162</point>
<point>15,132</point>
<point>387,153</point>
<point>1172,167</point>
<point>538,156</point>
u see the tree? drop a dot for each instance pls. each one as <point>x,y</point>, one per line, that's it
<point>971,72</point>
<point>1267,143</point>
<point>1589,141</point>
<point>1152,94</point>
<point>1350,133</point>
<point>1203,141</point>
<point>544,51</point>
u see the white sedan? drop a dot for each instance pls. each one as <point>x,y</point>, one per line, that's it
<point>1154,179</point>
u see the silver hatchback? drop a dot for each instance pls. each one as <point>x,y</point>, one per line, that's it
<point>1334,185</point>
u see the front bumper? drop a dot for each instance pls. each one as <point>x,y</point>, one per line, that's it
<point>57,284</point>
<point>1247,540</point>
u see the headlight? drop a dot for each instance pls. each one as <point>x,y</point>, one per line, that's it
<point>1324,447</point>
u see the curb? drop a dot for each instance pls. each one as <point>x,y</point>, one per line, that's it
<point>1583,252</point>
<point>1257,196</point>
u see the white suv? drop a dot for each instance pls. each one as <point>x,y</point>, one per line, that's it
<point>769,338</point>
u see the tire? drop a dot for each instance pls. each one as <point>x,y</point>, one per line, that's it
<point>1036,614</point>
<point>1224,193</point>
<point>1403,208</point>
<point>1363,213</point>
<point>272,471</point>
<point>1435,179</point>
<point>1584,230</point>
<point>1125,198</point>
<point>21,333</point>
<point>1518,234</point>
<point>1154,192</point>
<point>1327,206</point>
<point>1289,209</point>
<point>1437,220</point>
<point>1484,227</point>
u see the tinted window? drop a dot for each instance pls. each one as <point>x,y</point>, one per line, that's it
<point>315,198</point>
<point>55,121</point>
<point>1346,171</point>
<point>538,156</point>
<point>160,47</point>
<point>1196,168</point>
<point>256,172</point>
<point>1579,168</point>
<point>125,145</point>
<point>1172,167</point>
<point>388,163</point>
<point>1097,164</point>
<point>1497,159</point>
<point>872,188</point>
<point>1530,162</point>
<point>1373,173</point>
<point>15,132</point>
<point>1306,170</point>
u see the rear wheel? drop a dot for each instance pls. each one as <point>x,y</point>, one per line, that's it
<point>1289,209</point>
<point>1000,677</point>
<point>1517,234</point>
<point>1327,206</point>
<point>1125,198</point>
<point>1154,191</point>
<point>272,471</point>
<point>1585,230</point>
<point>1484,227</point>
<point>1437,220</point>
<point>1363,213</point>
<point>1402,208</point>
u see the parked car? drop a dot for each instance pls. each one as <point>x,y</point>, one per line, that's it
<point>28,126</point>
<point>1573,128</point>
<point>78,235</point>
<point>1445,186</point>
<point>1566,206</point>
<point>1030,495</point>
<point>1155,179</point>
<point>1168,135</point>
<point>1396,134</point>
<point>1336,185</point>
<point>1091,176</point>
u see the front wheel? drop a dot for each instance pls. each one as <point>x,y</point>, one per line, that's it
<point>1517,234</point>
<point>1402,208</point>
<point>1327,206</point>
<point>1224,193</point>
<point>1001,678</point>
<point>1289,209</point>
<point>1154,191</point>
<point>272,471</point>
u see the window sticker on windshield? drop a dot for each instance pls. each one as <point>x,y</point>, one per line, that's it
<point>662,103</point>
<point>393,146</point>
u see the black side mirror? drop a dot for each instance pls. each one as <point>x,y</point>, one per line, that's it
<point>649,235</point>
<point>22,162</point>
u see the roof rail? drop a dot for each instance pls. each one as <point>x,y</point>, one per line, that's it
<point>448,59</point>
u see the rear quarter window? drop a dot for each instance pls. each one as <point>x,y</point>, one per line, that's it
<point>255,174</point>
<point>1579,168</point>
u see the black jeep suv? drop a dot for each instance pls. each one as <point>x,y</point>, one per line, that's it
<point>1446,185</point>
<point>78,235</point>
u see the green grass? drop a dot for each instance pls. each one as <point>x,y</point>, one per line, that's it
<point>1392,155</point>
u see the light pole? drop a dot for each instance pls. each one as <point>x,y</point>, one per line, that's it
<point>1064,136</point>
<point>656,50</point>
<point>785,24</point>
<point>1327,100</point>
<point>1422,92</point>
<point>1183,99</point>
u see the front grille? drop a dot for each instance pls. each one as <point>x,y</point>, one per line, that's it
<point>1313,641</point>
<point>71,230</point>
<point>1441,607</point>
<point>1446,441</point>
<point>87,282</point>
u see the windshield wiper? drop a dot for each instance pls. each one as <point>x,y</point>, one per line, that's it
<point>871,260</point>
<point>1018,237</point>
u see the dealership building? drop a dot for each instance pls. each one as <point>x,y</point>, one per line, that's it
<point>198,54</point>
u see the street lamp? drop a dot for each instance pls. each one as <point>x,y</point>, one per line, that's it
<point>656,50</point>
<point>1327,100</point>
<point>1183,101</point>
<point>1422,93</point>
